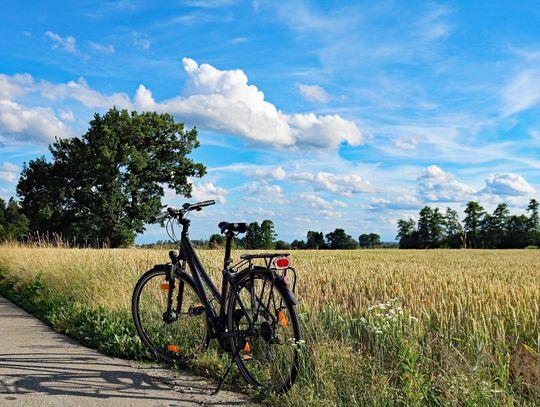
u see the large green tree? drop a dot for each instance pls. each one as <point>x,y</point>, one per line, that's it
<point>370,240</point>
<point>268,234</point>
<point>338,239</point>
<point>472,221</point>
<point>430,227</point>
<point>260,236</point>
<point>101,187</point>
<point>455,237</point>
<point>315,240</point>
<point>407,234</point>
<point>498,225</point>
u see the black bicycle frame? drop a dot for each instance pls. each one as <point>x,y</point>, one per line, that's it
<point>201,277</point>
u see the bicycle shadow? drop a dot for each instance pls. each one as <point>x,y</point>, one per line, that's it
<point>83,375</point>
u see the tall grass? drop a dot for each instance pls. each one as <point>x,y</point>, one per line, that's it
<point>382,327</point>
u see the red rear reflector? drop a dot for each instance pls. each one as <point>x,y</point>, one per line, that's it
<point>282,262</point>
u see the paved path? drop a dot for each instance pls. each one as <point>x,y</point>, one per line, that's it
<point>39,367</point>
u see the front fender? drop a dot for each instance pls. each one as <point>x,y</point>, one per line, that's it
<point>180,273</point>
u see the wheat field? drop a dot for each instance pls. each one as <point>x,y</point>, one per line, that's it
<point>382,327</point>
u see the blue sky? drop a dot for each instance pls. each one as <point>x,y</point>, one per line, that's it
<point>316,115</point>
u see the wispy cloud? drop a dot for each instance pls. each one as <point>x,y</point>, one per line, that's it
<point>522,92</point>
<point>209,3</point>
<point>313,93</point>
<point>67,44</point>
<point>238,40</point>
<point>106,49</point>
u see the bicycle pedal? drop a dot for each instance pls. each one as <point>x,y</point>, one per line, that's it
<point>196,309</point>
<point>245,358</point>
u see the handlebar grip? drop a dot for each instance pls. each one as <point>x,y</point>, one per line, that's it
<point>206,203</point>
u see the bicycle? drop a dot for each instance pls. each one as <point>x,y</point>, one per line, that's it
<point>253,317</point>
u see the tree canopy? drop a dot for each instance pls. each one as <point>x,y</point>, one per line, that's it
<point>100,188</point>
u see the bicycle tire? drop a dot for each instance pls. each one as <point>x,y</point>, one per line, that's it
<point>174,342</point>
<point>251,363</point>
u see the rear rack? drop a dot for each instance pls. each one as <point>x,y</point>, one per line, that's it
<point>263,256</point>
<point>246,259</point>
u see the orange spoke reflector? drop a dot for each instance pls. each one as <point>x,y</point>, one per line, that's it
<point>247,348</point>
<point>173,348</point>
<point>282,319</point>
<point>164,287</point>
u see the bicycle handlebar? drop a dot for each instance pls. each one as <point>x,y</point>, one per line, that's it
<point>173,212</point>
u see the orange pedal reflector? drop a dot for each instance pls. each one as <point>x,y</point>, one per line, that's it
<point>246,357</point>
<point>173,348</point>
<point>282,319</point>
<point>164,286</point>
<point>247,348</point>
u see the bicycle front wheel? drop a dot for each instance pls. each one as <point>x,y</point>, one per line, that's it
<point>269,358</point>
<point>175,333</point>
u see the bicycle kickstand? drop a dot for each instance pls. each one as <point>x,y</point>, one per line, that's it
<point>233,358</point>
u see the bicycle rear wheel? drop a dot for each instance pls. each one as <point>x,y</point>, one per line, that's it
<point>269,358</point>
<point>177,334</point>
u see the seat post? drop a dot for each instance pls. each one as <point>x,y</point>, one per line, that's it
<point>228,245</point>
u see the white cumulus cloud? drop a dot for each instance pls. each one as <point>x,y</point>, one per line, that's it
<point>320,203</point>
<point>263,192</point>
<point>223,100</point>
<point>9,172</point>
<point>36,124</point>
<point>508,184</point>
<point>84,94</point>
<point>271,173</point>
<point>208,190</point>
<point>435,185</point>
<point>342,184</point>
<point>12,87</point>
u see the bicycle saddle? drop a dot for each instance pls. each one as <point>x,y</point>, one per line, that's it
<point>233,227</point>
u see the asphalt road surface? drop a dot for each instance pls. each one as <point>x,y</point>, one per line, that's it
<point>39,367</point>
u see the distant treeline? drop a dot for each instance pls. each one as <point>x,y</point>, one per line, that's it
<point>479,229</point>
<point>263,236</point>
